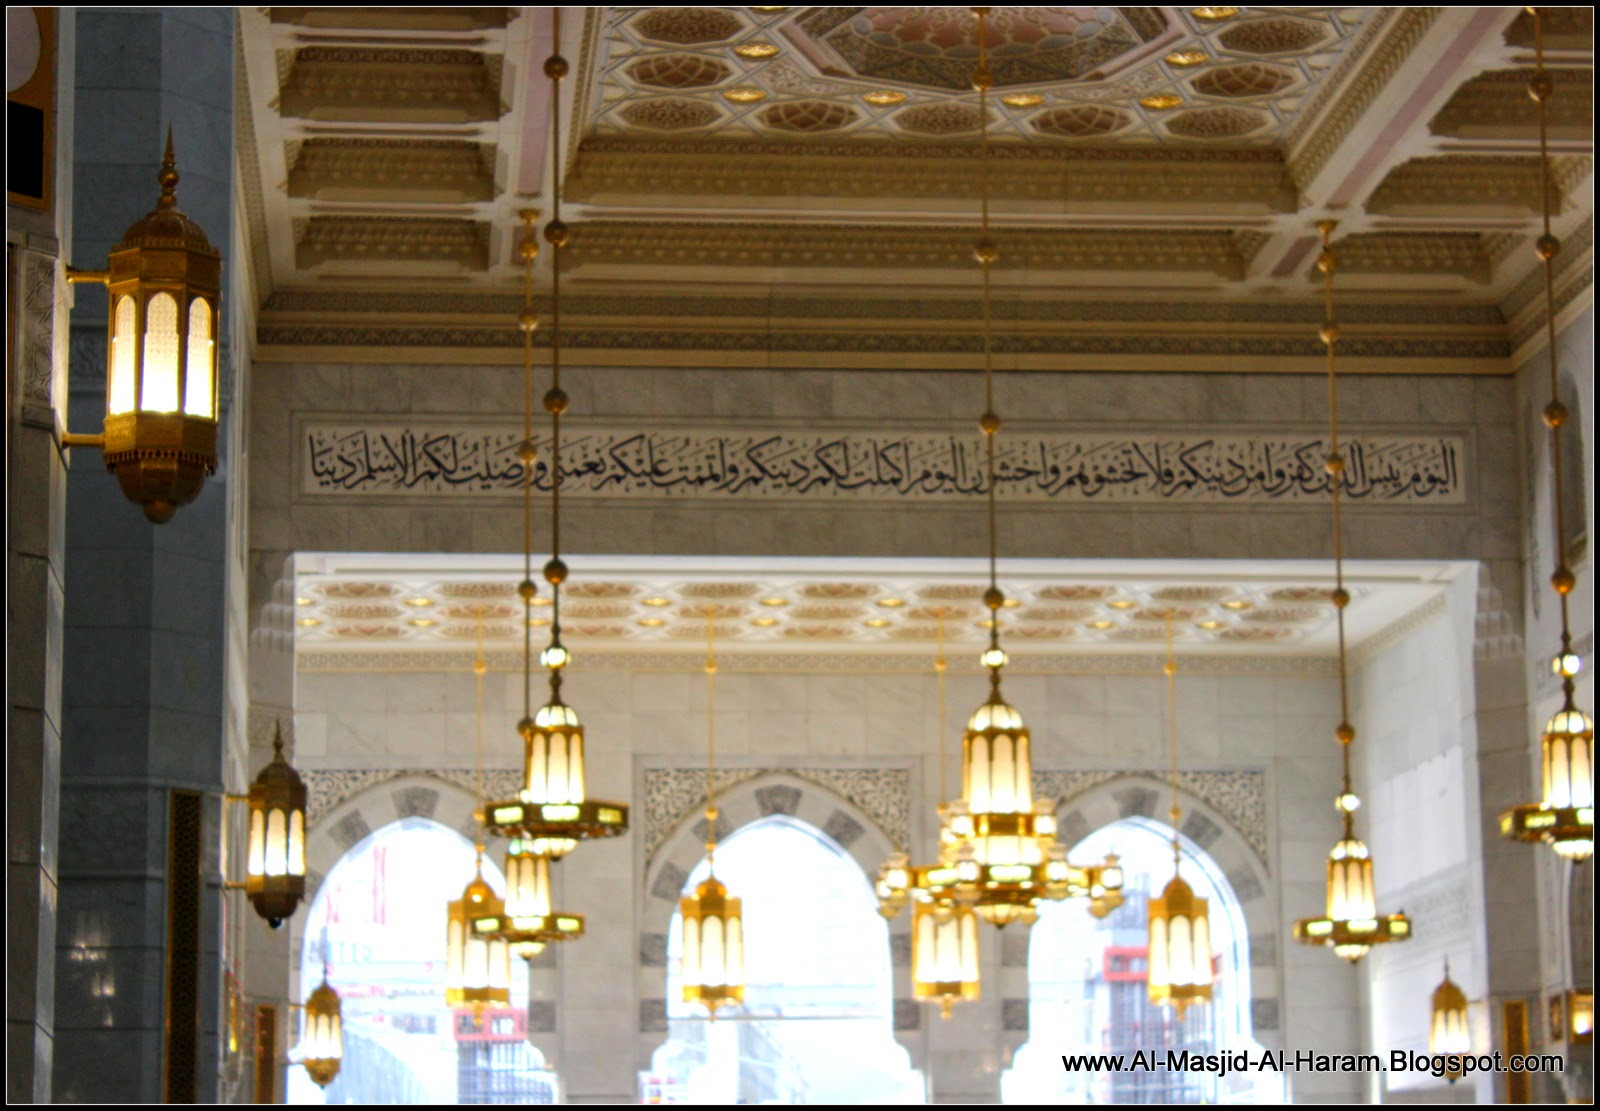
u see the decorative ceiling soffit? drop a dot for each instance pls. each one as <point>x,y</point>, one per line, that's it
<point>393,19</point>
<point>1464,254</point>
<point>1501,185</point>
<point>1496,105</point>
<point>362,84</point>
<point>436,243</point>
<point>1031,253</point>
<point>662,173</point>
<point>889,75</point>
<point>416,171</point>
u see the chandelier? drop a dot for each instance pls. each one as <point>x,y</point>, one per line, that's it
<point>713,926</point>
<point>275,858</point>
<point>1447,1023</point>
<point>1180,929</point>
<point>552,812</point>
<point>1564,817</point>
<point>1352,924</point>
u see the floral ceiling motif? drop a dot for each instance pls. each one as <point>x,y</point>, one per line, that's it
<point>1125,75</point>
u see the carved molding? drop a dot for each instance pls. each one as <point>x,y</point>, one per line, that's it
<point>329,788</point>
<point>1239,796</point>
<point>37,342</point>
<point>1496,105</point>
<point>662,172</point>
<point>1396,34</point>
<point>391,170</point>
<point>1463,254</point>
<point>371,84</point>
<point>378,238</point>
<point>1392,634</point>
<point>1425,186</point>
<point>672,795</point>
<point>244,139</point>
<point>1035,250</point>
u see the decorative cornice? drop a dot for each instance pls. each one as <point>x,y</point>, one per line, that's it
<point>369,83</point>
<point>1425,186</point>
<point>693,661</point>
<point>379,170</point>
<point>375,238</point>
<point>1524,305</point>
<point>1034,251</point>
<point>1496,105</point>
<point>1393,633</point>
<point>244,138</point>
<point>1463,254</point>
<point>656,172</point>
<point>1318,135</point>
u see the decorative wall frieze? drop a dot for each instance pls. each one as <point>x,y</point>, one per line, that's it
<point>672,795</point>
<point>422,458</point>
<point>597,658</point>
<point>373,84</point>
<point>1036,251</point>
<point>1239,796</point>
<point>1462,254</point>
<point>1496,105</point>
<point>464,243</point>
<point>37,341</point>
<point>661,173</point>
<point>392,170</point>
<point>329,788</point>
<point>1506,183</point>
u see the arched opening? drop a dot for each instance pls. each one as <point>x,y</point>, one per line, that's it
<point>379,921</point>
<point>1087,991</point>
<point>817,1023</point>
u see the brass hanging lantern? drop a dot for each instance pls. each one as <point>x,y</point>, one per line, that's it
<point>1352,924</point>
<point>275,865</point>
<point>712,920</point>
<point>323,1047</point>
<point>1180,925</point>
<point>164,289</point>
<point>944,954</point>
<point>1564,817</point>
<point>526,922</point>
<point>478,964</point>
<point>1448,1033</point>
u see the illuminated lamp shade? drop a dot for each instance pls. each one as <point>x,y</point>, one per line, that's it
<point>893,887</point>
<point>1350,895</point>
<point>1180,948</point>
<point>996,766</point>
<point>713,947</point>
<point>275,868</point>
<point>1580,1017</point>
<point>323,1048</point>
<point>944,954</point>
<point>478,965</point>
<point>1569,778</point>
<point>553,765</point>
<point>527,893</point>
<point>1447,1024</point>
<point>163,290</point>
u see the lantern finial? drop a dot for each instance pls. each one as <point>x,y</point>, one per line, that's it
<point>168,177</point>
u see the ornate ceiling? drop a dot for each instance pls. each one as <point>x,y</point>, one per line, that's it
<point>344,604</point>
<point>1145,159</point>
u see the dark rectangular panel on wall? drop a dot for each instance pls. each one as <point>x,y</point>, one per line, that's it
<point>1514,1015</point>
<point>30,108</point>
<point>183,948</point>
<point>266,1053</point>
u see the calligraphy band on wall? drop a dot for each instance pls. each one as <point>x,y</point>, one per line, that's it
<point>449,459</point>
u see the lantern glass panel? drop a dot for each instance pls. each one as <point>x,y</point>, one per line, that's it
<point>161,344</point>
<point>297,843</point>
<point>120,391</point>
<point>277,836</point>
<point>258,843</point>
<point>199,361</point>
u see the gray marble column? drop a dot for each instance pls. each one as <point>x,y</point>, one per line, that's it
<point>145,648</point>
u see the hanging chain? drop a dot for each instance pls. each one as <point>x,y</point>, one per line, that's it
<point>1170,668</point>
<point>528,321</point>
<point>711,733</point>
<point>1541,88</point>
<point>1329,333</point>
<point>555,399</point>
<point>478,668</point>
<point>986,252</point>
<point>940,667</point>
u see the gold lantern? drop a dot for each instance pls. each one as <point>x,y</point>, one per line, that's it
<point>275,865</point>
<point>323,1047</point>
<point>1580,1017</point>
<point>526,922</point>
<point>164,288</point>
<point>478,966</point>
<point>1448,1033</point>
<point>713,923</point>
<point>1352,924</point>
<point>1180,926</point>
<point>1564,817</point>
<point>944,954</point>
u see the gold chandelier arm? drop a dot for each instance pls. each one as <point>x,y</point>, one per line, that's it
<point>1345,733</point>
<point>1540,89</point>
